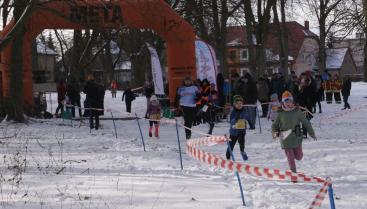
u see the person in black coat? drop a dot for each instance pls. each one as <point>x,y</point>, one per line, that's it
<point>94,99</point>
<point>248,90</point>
<point>347,86</point>
<point>73,91</point>
<point>148,91</point>
<point>128,96</point>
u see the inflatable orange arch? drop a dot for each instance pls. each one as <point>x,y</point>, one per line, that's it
<point>101,14</point>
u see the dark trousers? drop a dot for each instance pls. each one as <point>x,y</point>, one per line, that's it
<point>113,94</point>
<point>264,108</point>
<point>128,106</point>
<point>94,114</point>
<point>209,117</point>
<point>345,100</point>
<point>189,114</point>
<point>252,113</point>
<point>319,104</point>
<point>329,97</point>
<point>60,107</point>
<point>241,141</point>
<point>76,104</point>
<point>152,122</point>
<point>337,97</point>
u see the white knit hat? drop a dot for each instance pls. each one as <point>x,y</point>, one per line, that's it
<point>153,98</point>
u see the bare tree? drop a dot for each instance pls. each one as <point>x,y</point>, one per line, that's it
<point>283,37</point>
<point>210,18</point>
<point>257,32</point>
<point>323,10</point>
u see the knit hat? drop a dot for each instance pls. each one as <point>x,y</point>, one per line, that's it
<point>153,98</point>
<point>286,96</point>
<point>237,98</point>
<point>274,96</point>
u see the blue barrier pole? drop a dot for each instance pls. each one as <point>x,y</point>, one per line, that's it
<point>179,144</point>
<point>258,117</point>
<point>141,133</point>
<point>238,176</point>
<point>114,125</point>
<point>331,196</point>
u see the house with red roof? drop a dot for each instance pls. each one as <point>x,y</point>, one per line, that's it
<point>302,44</point>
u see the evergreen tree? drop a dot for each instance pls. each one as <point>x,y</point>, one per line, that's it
<point>50,42</point>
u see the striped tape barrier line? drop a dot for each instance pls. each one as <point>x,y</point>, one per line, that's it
<point>193,150</point>
<point>320,196</point>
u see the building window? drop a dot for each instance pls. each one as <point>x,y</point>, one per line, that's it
<point>244,55</point>
<point>232,55</point>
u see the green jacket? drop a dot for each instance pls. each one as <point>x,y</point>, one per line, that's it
<point>287,120</point>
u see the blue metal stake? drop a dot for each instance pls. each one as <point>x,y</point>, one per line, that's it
<point>258,117</point>
<point>238,176</point>
<point>331,196</point>
<point>114,125</point>
<point>179,144</point>
<point>141,133</point>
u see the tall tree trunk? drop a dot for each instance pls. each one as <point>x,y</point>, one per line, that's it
<point>250,20</point>
<point>107,61</point>
<point>283,38</point>
<point>16,99</point>
<point>365,40</point>
<point>322,46</point>
<point>76,54</point>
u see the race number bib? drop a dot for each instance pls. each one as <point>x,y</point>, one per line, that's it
<point>241,124</point>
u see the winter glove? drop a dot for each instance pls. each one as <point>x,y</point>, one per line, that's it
<point>314,137</point>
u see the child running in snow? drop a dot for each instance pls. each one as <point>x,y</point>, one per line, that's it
<point>287,127</point>
<point>274,107</point>
<point>154,115</point>
<point>237,129</point>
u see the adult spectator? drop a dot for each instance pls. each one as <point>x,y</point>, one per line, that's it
<point>148,91</point>
<point>113,88</point>
<point>337,87</point>
<point>319,92</point>
<point>73,92</point>
<point>61,92</point>
<point>128,96</point>
<point>347,86</point>
<point>187,96</point>
<point>94,99</point>
<point>246,88</point>
<point>263,93</point>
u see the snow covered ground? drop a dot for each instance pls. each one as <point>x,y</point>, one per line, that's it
<point>59,165</point>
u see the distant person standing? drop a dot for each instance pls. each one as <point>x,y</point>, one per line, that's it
<point>93,98</point>
<point>128,96</point>
<point>187,94</point>
<point>337,87</point>
<point>319,92</point>
<point>148,91</point>
<point>113,88</point>
<point>61,92</point>
<point>328,88</point>
<point>347,86</point>
<point>73,91</point>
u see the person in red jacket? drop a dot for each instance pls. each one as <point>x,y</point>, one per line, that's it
<point>113,88</point>
<point>61,92</point>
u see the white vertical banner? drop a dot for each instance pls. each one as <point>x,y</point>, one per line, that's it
<point>206,64</point>
<point>156,71</point>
